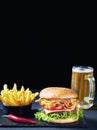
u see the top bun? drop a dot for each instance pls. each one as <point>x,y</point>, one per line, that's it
<point>57,92</point>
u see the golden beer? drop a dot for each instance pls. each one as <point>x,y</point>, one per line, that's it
<point>83,82</point>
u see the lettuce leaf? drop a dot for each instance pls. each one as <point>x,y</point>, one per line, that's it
<point>81,113</point>
<point>48,117</point>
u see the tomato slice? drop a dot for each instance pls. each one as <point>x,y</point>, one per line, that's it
<point>56,108</point>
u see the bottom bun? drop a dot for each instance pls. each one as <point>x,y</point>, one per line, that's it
<point>70,120</point>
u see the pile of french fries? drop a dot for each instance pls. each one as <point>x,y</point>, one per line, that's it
<point>15,97</point>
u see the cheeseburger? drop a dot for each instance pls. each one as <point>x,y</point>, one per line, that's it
<point>58,105</point>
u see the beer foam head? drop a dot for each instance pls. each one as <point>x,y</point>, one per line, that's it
<point>82,69</point>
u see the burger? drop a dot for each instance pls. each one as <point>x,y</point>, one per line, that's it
<point>58,105</point>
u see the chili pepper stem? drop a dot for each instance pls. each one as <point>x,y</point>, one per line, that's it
<point>4,115</point>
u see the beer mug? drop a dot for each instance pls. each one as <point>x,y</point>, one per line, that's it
<point>83,82</point>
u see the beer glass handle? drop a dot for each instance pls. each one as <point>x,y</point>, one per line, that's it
<point>92,86</point>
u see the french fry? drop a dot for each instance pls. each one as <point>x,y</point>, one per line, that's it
<point>28,98</point>
<point>12,99</point>
<point>15,97</point>
<point>5,87</point>
<point>5,102</point>
<point>34,95</point>
<point>22,89</point>
<point>4,93</point>
<point>15,88</point>
<point>22,94</point>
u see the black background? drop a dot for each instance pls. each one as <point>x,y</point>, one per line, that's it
<point>41,41</point>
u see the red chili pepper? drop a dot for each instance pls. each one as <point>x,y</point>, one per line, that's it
<point>20,119</point>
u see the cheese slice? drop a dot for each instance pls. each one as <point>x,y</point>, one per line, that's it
<point>50,111</point>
